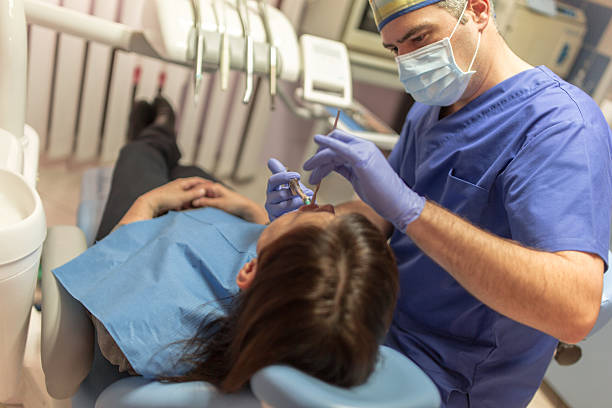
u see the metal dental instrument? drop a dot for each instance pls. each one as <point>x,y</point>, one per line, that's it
<point>314,196</point>
<point>273,54</point>
<point>199,49</point>
<point>243,11</point>
<point>294,186</point>
<point>336,121</point>
<point>224,55</point>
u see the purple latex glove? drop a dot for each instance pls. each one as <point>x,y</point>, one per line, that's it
<point>279,198</point>
<point>371,175</point>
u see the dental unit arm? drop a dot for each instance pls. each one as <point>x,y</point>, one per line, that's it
<point>239,35</point>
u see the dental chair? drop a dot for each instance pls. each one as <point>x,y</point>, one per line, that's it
<point>74,367</point>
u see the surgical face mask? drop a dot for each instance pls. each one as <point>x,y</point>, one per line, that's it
<point>431,74</point>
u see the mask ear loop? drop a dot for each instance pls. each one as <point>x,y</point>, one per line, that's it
<point>460,18</point>
<point>479,35</point>
<point>475,52</point>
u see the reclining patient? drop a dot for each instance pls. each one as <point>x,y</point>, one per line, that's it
<point>191,284</point>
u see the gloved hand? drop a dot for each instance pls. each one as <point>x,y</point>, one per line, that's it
<point>279,198</point>
<point>372,177</point>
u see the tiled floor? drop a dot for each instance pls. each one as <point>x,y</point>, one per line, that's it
<point>59,187</point>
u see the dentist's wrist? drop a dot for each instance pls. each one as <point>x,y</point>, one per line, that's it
<point>412,207</point>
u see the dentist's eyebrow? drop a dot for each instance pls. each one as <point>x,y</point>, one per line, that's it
<point>410,33</point>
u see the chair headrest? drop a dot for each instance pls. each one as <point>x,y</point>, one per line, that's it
<point>396,383</point>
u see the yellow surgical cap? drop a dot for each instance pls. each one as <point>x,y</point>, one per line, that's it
<point>387,10</point>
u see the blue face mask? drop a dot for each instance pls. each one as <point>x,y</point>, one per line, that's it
<point>431,74</point>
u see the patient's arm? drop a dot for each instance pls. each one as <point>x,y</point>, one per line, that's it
<point>362,208</point>
<point>176,195</point>
<point>193,192</point>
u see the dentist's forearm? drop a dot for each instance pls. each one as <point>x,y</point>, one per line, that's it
<point>557,293</point>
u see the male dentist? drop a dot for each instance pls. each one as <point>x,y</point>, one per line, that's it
<point>497,197</point>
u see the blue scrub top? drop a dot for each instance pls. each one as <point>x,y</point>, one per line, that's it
<point>152,283</point>
<point>528,160</point>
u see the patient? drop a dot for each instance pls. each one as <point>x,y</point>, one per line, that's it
<point>192,286</point>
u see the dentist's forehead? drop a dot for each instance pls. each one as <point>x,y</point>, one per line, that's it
<point>388,10</point>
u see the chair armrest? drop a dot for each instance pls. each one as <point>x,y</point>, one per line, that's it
<point>67,333</point>
<point>137,392</point>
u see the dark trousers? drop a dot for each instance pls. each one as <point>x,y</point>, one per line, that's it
<point>149,161</point>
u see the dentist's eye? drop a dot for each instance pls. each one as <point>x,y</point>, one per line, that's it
<point>419,39</point>
<point>392,50</point>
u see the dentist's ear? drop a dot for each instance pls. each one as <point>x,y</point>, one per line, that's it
<point>246,274</point>
<point>482,13</point>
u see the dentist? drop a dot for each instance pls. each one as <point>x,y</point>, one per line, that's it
<point>496,198</point>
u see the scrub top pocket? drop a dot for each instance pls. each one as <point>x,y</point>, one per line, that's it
<point>464,198</point>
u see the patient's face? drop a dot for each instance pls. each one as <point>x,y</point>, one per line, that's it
<point>306,215</point>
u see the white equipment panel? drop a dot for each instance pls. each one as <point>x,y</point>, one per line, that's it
<point>541,39</point>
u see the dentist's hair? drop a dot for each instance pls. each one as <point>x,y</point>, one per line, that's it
<point>455,7</point>
<point>322,301</point>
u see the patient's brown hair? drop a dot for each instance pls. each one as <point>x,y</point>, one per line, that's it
<point>321,301</point>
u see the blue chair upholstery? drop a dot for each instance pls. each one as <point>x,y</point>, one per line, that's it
<point>136,392</point>
<point>396,383</point>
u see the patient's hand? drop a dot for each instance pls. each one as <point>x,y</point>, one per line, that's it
<point>178,194</point>
<point>221,197</point>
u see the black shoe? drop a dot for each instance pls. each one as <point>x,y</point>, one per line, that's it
<point>141,116</point>
<point>164,114</point>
